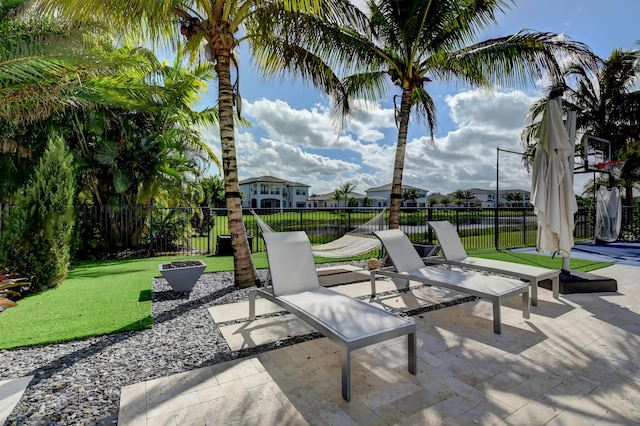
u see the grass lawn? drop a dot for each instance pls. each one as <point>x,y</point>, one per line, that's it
<point>540,260</point>
<point>105,297</point>
<point>98,297</point>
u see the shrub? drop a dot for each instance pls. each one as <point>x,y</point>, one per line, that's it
<point>35,242</point>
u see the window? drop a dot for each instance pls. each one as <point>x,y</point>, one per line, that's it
<point>301,192</point>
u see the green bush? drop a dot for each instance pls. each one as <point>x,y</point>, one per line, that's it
<point>35,242</point>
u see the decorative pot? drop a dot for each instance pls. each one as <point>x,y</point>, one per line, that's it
<point>182,275</point>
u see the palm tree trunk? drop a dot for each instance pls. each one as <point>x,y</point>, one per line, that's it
<point>398,167</point>
<point>244,270</point>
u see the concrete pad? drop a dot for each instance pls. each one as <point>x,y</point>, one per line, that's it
<point>234,392</point>
<point>572,362</point>
<point>240,310</point>
<point>10,393</point>
<point>263,331</point>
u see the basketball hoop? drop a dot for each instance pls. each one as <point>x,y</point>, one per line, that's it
<point>614,168</point>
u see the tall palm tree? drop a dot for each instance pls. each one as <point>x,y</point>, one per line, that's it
<point>215,28</point>
<point>458,195</point>
<point>606,100</point>
<point>342,192</point>
<point>412,43</point>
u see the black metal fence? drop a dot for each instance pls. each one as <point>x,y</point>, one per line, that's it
<point>148,230</point>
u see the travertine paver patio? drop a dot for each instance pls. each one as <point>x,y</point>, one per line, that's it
<point>573,363</point>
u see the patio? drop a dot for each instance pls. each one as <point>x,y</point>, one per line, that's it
<point>573,362</point>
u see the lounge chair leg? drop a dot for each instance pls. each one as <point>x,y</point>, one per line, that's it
<point>346,374</point>
<point>252,304</point>
<point>497,320</point>
<point>534,292</point>
<point>525,306</point>
<point>555,285</point>
<point>412,353</point>
<point>373,284</point>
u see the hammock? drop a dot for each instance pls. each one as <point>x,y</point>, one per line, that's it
<point>354,243</point>
<point>608,214</point>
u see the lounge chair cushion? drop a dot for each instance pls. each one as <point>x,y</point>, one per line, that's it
<point>450,244</point>
<point>290,273</point>
<point>395,242</point>
<point>351,319</point>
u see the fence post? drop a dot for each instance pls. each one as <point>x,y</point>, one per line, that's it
<point>524,226</point>
<point>150,226</point>
<point>496,227</point>
<point>208,229</point>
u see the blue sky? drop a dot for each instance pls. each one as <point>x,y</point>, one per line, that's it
<point>292,136</point>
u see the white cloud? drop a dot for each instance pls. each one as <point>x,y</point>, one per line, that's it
<point>302,145</point>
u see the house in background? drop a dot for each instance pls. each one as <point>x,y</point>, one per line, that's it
<point>271,192</point>
<point>358,200</point>
<point>382,195</point>
<point>487,197</point>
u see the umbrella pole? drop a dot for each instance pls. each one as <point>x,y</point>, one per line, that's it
<point>570,125</point>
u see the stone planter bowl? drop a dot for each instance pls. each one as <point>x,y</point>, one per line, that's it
<point>183,275</point>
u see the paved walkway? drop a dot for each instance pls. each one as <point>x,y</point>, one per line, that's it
<point>574,362</point>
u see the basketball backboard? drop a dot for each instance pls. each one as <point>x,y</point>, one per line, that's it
<point>595,152</point>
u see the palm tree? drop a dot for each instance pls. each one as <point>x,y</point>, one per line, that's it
<point>412,43</point>
<point>49,68</point>
<point>458,196</point>
<point>410,194</point>
<point>514,197</point>
<point>215,28</point>
<point>607,103</point>
<point>342,192</point>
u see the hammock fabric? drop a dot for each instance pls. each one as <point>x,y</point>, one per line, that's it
<point>608,214</point>
<point>355,243</point>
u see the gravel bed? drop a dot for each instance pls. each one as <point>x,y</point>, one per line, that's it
<point>78,383</point>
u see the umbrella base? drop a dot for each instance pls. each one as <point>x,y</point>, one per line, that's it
<point>582,282</point>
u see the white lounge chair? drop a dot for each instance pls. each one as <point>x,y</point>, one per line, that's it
<point>408,266</point>
<point>453,253</point>
<point>348,322</point>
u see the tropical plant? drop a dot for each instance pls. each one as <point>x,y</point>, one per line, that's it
<point>410,194</point>
<point>468,195</point>
<point>458,196</point>
<point>35,241</point>
<point>151,151</point>
<point>215,28</point>
<point>46,67</point>
<point>412,43</point>
<point>606,101</point>
<point>514,198</point>
<point>342,192</point>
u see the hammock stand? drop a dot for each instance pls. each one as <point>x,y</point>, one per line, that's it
<point>354,243</point>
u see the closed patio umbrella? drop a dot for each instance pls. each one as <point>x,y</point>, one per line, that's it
<point>552,193</point>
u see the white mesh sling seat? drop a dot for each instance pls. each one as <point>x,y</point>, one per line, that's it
<point>348,322</point>
<point>408,265</point>
<point>453,253</point>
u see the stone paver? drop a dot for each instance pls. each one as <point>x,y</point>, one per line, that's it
<point>573,362</point>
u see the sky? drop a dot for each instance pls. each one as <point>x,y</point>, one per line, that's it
<point>292,136</point>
